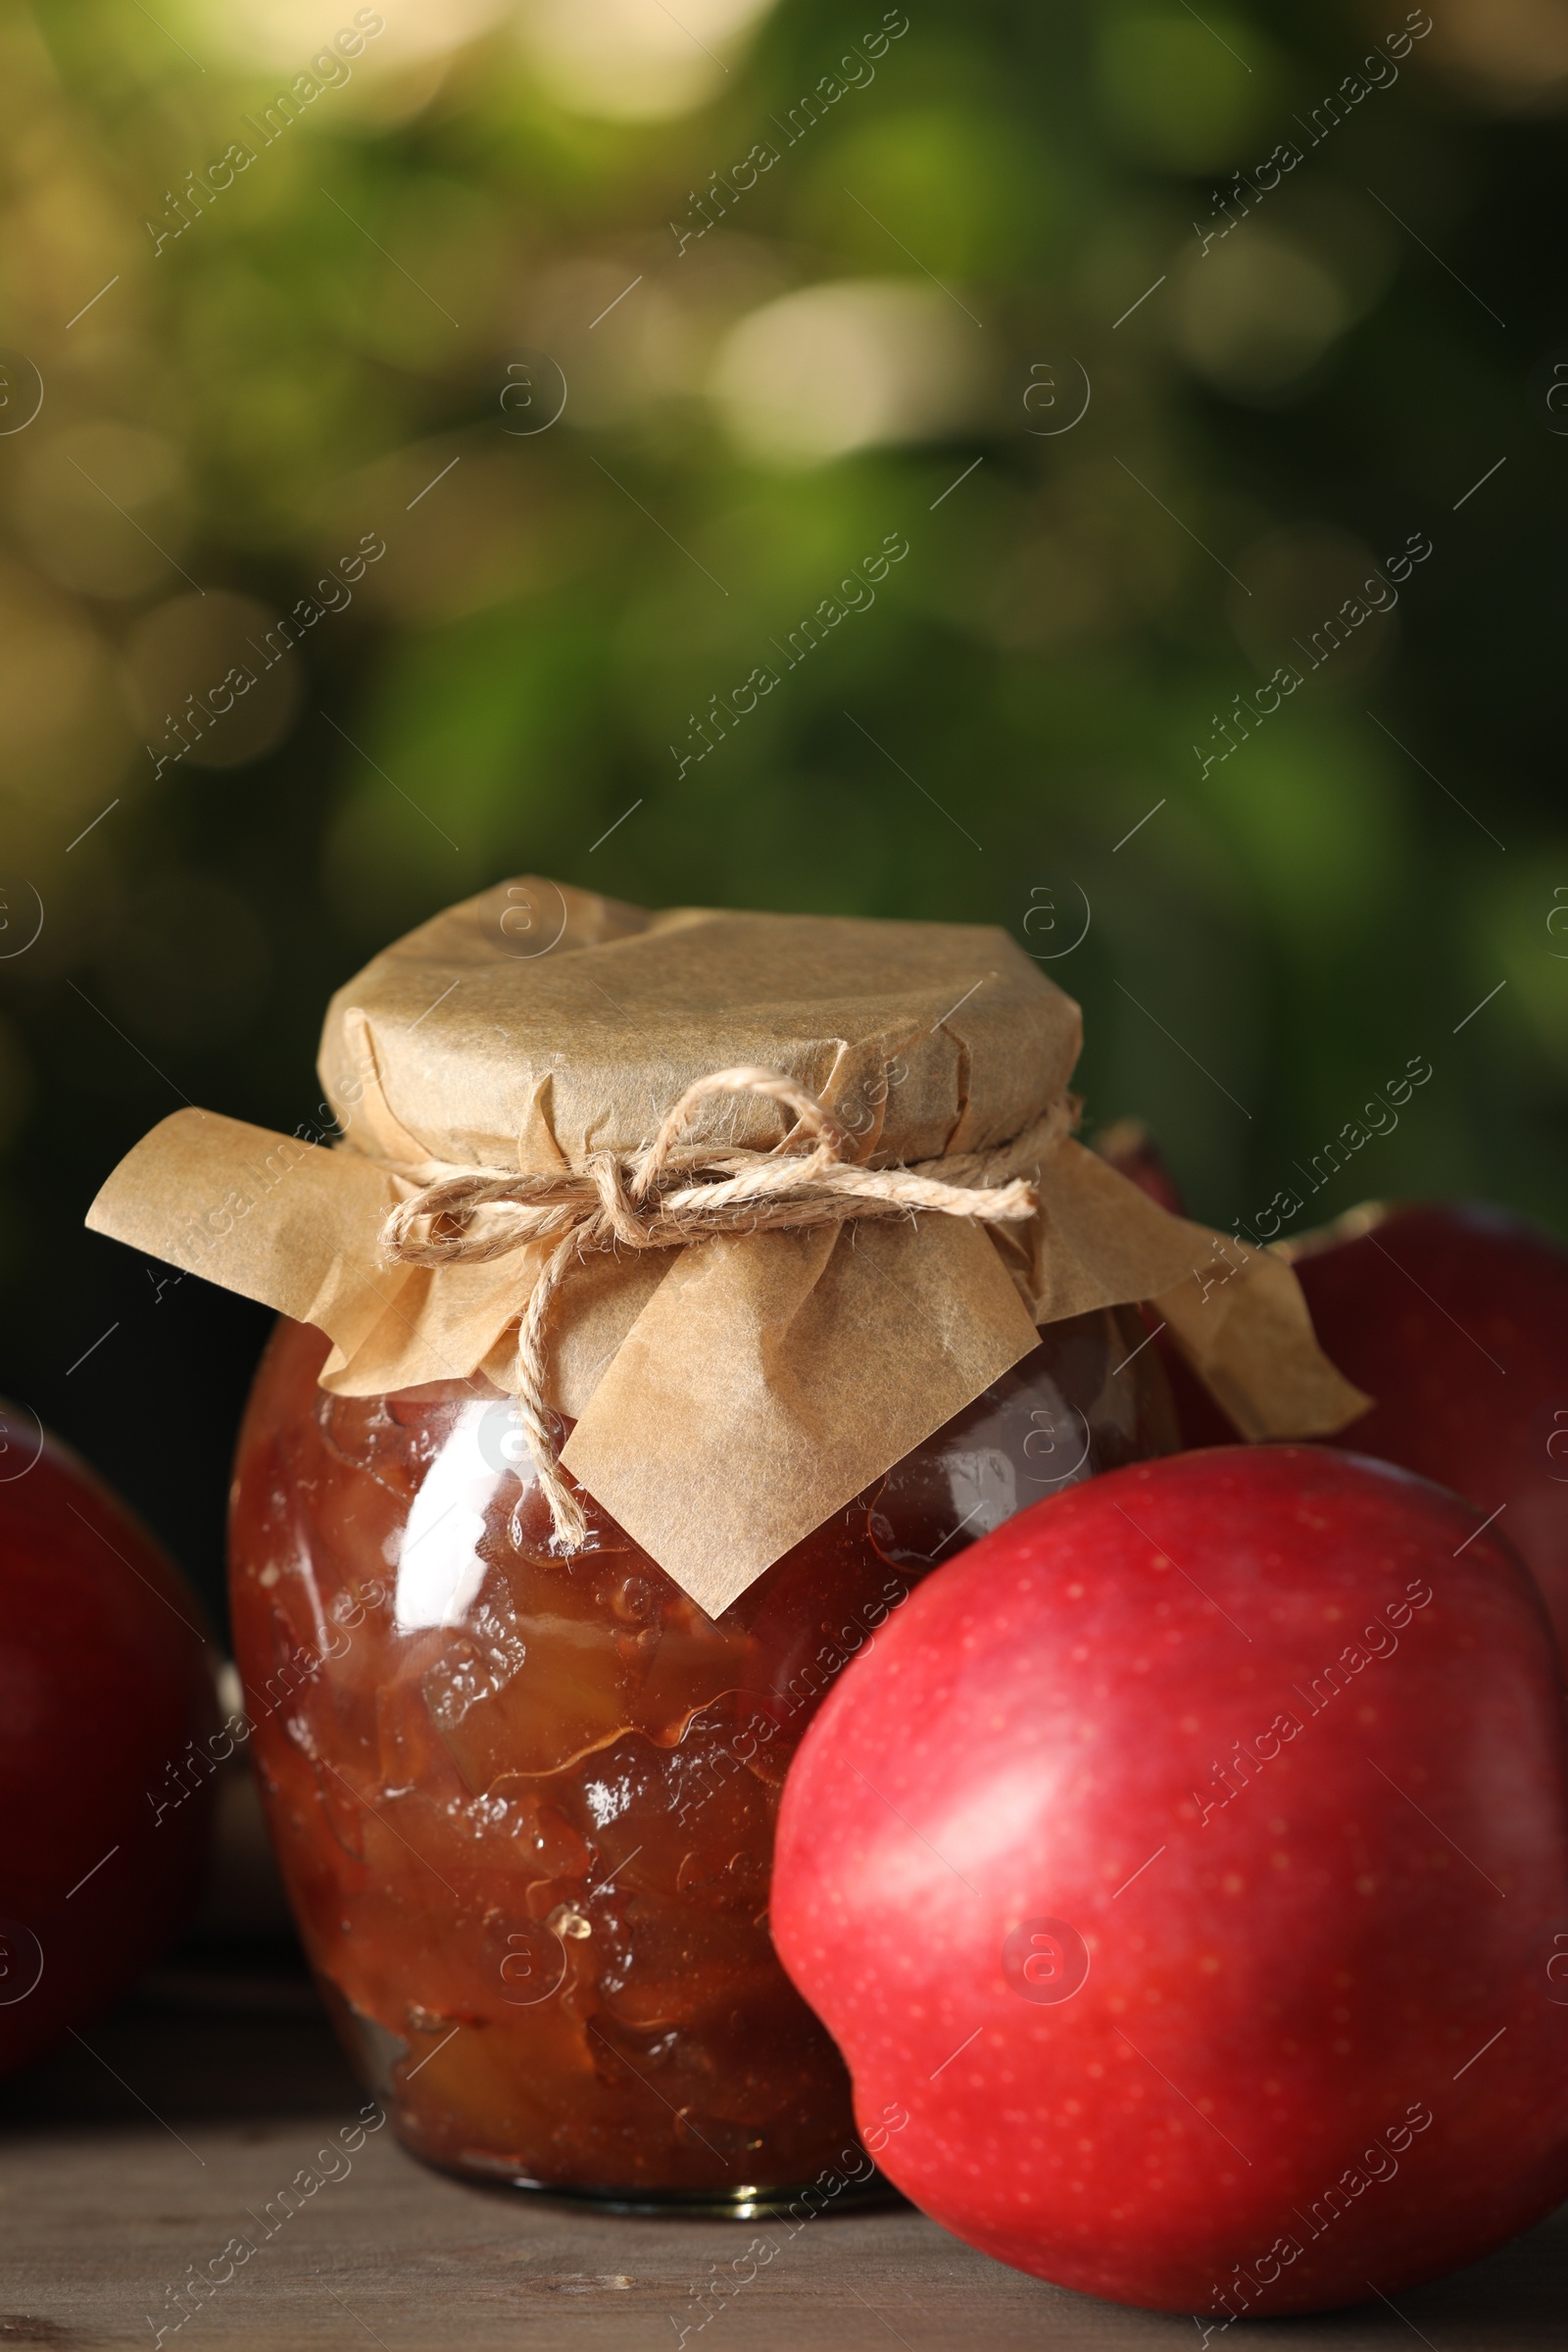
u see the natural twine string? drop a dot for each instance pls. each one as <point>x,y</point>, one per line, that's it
<point>662,1196</point>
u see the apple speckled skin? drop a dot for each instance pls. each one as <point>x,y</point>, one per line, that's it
<point>1189,1859</point>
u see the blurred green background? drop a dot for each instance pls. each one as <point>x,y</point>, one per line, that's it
<point>971,215</point>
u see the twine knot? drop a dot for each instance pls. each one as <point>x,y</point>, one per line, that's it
<point>667,1195</point>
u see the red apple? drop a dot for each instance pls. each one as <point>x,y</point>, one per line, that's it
<point>1455,1318</point>
<point>107,1715</point>
<point>1189,1861</point>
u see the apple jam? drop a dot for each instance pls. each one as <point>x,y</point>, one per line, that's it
<point>524,1804</point>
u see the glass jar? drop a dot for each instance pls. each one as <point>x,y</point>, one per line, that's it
<point>524,1804</point>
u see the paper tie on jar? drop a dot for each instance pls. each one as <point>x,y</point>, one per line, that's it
<point>729,1393</point>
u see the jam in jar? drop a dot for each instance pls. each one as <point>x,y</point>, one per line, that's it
<point>524,1802</point>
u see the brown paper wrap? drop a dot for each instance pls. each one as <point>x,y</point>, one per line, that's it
<point>730,1394</point>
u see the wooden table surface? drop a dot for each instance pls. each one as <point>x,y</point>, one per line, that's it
<point>104,2204</point>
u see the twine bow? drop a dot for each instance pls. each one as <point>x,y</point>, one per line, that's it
<point>668,1195</point>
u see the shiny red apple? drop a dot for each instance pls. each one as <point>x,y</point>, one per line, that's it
<point>1190,1860</point>
<point>106,1724</point>
<point>1455,1318</point>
